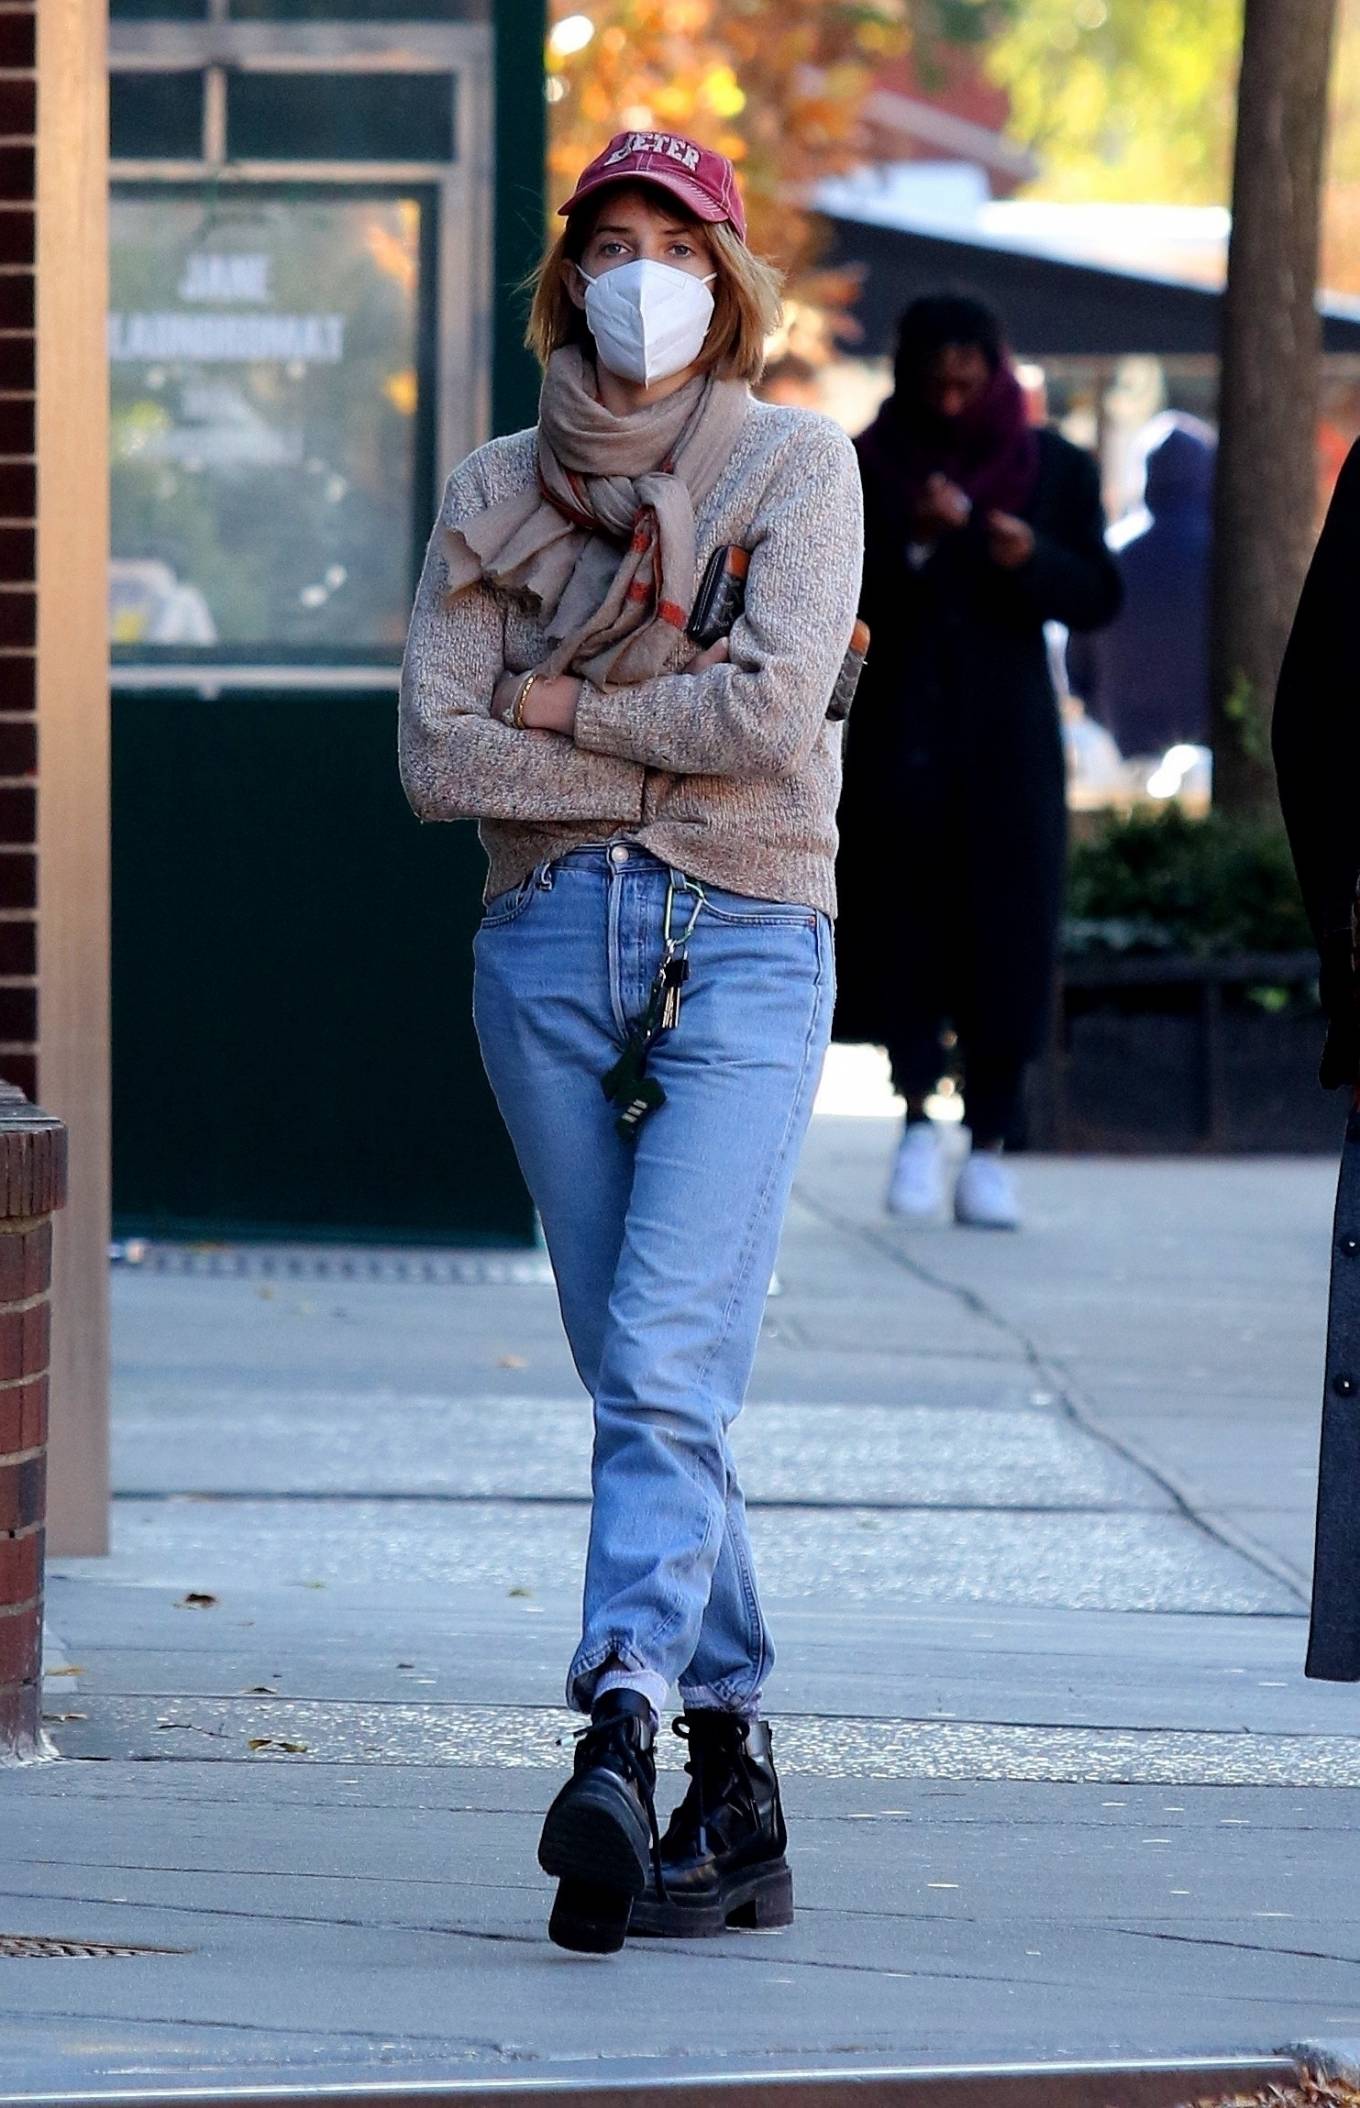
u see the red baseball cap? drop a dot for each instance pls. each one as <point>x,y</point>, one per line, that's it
<point>704,181</point>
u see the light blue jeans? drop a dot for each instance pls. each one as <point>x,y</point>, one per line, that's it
<point>662,1248</point>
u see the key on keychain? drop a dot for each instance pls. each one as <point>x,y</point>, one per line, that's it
<point>674,974</point>
<point>628,1087</point>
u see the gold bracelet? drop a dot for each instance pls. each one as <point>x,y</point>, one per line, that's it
<point>517,707</point>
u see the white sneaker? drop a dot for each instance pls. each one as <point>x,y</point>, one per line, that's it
<point>985,1197</point>
<point>916,1188</point>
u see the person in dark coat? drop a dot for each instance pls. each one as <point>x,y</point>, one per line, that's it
<point>1316,739</point>
<point>1146,676</point>
<point>979,529</point>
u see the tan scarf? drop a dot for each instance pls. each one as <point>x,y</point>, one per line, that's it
<point>602,549</point>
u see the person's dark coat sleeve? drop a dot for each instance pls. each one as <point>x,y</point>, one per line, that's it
<point>1316,729</point>
<point>1072,578</point>
<point>1316,739</point>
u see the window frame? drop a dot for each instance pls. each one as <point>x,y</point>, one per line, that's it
<point>454,317</point>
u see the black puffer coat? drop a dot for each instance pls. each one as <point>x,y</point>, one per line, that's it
<point>953,816</point>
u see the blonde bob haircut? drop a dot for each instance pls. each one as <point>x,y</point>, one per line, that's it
<point>746,307</point>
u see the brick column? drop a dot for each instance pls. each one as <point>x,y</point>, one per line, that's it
<point>32,1188</point>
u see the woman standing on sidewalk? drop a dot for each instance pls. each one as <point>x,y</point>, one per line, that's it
<point>654,969</point>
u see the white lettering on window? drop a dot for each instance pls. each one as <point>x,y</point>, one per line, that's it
<point>225,339</point>
<point>238,276</point>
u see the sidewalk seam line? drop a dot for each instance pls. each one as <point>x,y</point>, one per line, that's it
<point>1054,1375</point>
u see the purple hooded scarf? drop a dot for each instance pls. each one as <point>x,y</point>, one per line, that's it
<point>989,450</point>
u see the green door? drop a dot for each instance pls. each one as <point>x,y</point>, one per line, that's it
<point>292,1029</point>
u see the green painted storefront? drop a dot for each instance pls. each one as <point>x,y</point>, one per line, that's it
<point>321,214</point>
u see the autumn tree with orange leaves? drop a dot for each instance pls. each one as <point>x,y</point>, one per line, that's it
<point>775,84</point>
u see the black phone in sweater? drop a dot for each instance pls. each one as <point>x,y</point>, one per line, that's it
<point>720,600</point>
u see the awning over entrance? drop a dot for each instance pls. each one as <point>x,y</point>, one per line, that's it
<point>1054,306</point>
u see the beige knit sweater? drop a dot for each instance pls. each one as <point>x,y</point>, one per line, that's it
<point>732,774</point>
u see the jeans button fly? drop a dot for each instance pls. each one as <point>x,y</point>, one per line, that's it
<point>618,854</point>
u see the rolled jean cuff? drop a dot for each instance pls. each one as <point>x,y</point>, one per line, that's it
<point>584,1672</point>
<point>719,1698</point>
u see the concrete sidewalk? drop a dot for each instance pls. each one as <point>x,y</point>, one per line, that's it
<point>1034,1517</point>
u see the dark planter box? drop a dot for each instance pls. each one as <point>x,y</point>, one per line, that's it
<point>1179,1054</point>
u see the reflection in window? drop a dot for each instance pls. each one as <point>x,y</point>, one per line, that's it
<point>293,116</point>
<point>264,354</point>
<point>158,10</point>
<point>156,116</point>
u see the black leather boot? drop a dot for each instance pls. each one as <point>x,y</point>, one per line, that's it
<point>722,1858</point>
<point>600,1835</point>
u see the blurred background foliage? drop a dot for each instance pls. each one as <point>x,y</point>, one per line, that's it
<point>1124,100</point>
<point>1120,100</point>
<point>1161,882</point>
<point>778,88</point>
<point>1132,101</point>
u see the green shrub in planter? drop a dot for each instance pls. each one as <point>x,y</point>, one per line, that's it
<point>1160,882</point>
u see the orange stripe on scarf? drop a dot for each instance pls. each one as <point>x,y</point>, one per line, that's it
<point>584,519</point>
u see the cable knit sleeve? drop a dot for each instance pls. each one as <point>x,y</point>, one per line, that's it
<point>762,713</point>
<point>458,762</point>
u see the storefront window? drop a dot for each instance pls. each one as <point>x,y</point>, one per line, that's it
<point>266,352</point>
<point>303,10</point>
<point>358,10</point>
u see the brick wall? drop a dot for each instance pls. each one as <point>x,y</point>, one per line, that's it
<point>18,599</point>
<point>32,1148</point>
<point>32,1188</point>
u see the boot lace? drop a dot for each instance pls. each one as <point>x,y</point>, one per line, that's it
<point>694,1768</point>
<point>697,1771</point>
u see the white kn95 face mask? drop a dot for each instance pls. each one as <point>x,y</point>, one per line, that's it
<point>648,319</point>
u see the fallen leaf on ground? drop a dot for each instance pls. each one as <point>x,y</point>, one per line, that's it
<point>71,1669</point>
<point>520,1591</point>
<point>196,1600</point>
<point>54,1718</point>
<point>260,1690</point>
<point>293,1749</point>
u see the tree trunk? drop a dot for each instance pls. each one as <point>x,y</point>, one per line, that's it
<point>1266,497</point>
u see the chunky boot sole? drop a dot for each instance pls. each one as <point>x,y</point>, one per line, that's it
<point>760,1900</point>
<point>599,1854</point>
<point>588,1919</point>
